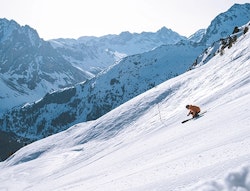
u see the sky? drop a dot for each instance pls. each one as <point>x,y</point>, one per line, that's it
<point>76,18</point>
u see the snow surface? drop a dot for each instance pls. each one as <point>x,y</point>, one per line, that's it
<point>142,145</point>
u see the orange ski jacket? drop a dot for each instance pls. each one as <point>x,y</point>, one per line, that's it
<point>194,109</point>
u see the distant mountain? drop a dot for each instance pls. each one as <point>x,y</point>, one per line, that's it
<point>30,67</point>
<point>197,37</point>
<point>135,43</point>
<point>95,54</point>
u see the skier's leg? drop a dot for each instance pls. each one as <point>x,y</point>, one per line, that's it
<point>195,114</point>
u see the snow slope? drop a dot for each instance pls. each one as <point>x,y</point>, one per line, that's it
<point>142,145</point>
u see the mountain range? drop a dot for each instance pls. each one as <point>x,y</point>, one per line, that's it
<point>31,67</point>
<point>120,81</point>
<point>97,53</point>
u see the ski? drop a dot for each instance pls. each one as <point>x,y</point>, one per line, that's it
<point>200,115</point>
<point>186,120</point>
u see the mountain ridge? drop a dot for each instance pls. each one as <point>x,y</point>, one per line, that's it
<point>112,48</point>
<point>236,16</point>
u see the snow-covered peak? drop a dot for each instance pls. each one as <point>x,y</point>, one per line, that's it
<point>6,28</point>
<point>165,31</point>
<point>222,25</point>
<point>126,35</point>
<point>10,29</point>
<point>196,37</point>
<point>220,46</point>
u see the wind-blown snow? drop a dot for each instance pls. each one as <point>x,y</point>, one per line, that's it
<point>142,145</point>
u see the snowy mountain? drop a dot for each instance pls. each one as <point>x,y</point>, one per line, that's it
<point>221,26</point>
<point>89,100</point>
<point>95,54</point>
<point>197,37</point>
<point>220,46</point>
<point>30,67</point>
<point>142,144</point>
<point>128,78</point>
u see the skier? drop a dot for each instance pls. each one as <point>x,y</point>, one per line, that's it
<point>194,110</point>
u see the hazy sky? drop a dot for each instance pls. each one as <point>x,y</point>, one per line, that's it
<point>75,18</point>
